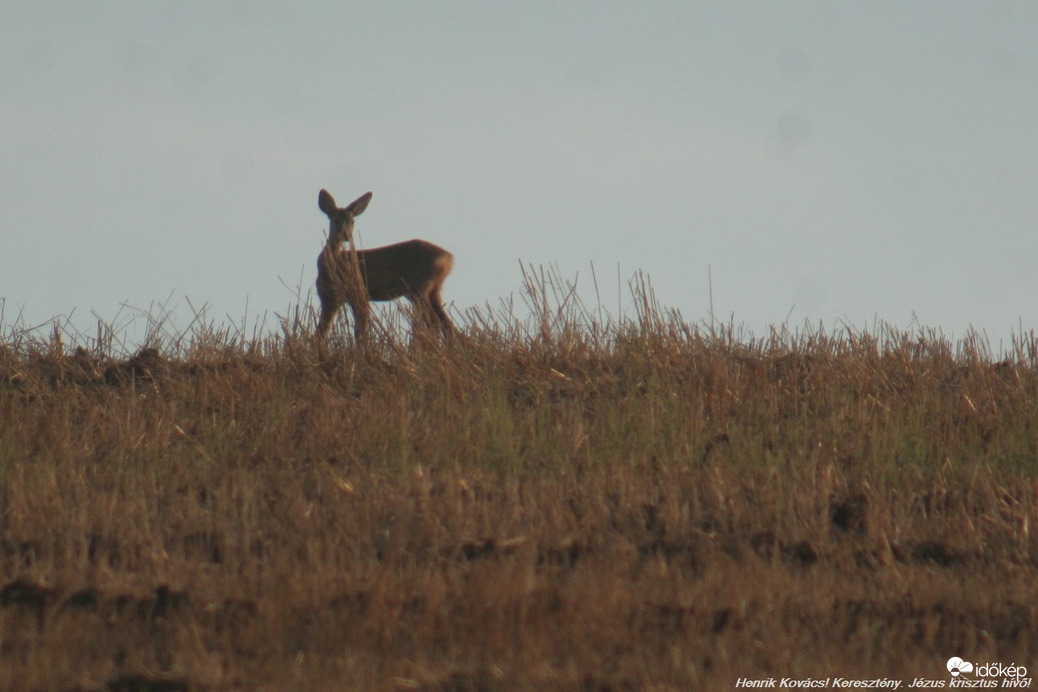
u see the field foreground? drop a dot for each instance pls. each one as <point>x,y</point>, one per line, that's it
<point>644,506</point>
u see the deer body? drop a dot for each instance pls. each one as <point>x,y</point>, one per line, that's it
<point>414,269</point>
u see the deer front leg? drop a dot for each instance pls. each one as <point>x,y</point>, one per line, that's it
<point>361,317</point>
<point>328,311</point>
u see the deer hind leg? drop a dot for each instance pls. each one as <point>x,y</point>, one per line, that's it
<point>435,304</point>
<point>423,312</point>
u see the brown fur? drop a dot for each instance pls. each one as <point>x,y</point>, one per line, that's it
<point>414,269</point>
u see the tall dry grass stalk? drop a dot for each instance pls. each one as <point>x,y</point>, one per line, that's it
<point>570,501</point>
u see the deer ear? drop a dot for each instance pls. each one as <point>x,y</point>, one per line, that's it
<point>326,202</point>
<point>360,204</point>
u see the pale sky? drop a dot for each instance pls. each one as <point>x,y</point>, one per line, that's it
<point>842,162</point>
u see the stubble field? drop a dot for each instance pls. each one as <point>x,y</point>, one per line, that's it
<point>565,506</point>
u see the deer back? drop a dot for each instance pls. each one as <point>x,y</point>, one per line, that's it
<point>409,268</point>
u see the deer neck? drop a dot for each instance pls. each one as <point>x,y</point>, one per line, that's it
<point>339,238</point>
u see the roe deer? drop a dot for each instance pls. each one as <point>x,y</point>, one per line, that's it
<point>415,269</point>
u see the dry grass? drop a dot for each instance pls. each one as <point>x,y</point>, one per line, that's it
<point>573,505</point>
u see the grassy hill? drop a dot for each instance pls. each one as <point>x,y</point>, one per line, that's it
<point>567,505</point>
